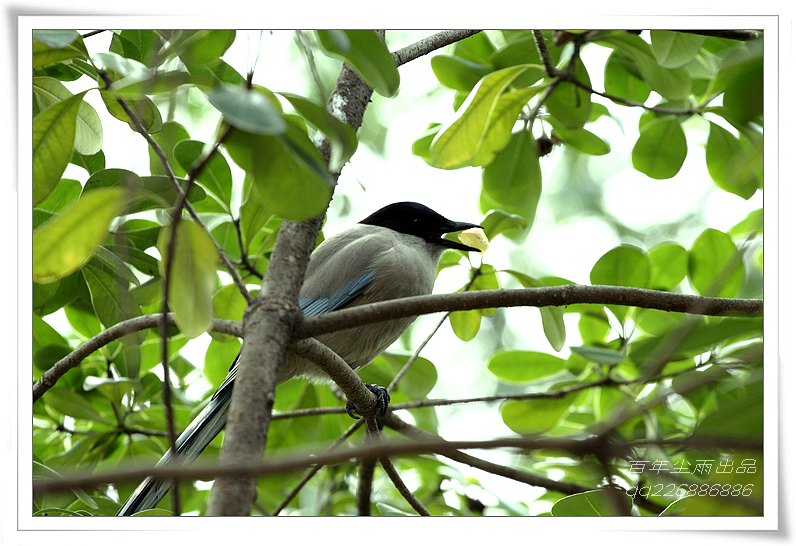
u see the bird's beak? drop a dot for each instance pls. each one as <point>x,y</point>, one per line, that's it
<point>453,227</point>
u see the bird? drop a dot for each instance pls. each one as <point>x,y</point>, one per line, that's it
<point>393,253</point>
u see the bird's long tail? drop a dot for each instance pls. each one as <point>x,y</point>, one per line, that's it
<point>193,441</point>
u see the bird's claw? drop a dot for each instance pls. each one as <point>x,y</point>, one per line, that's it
<point>382,402</point>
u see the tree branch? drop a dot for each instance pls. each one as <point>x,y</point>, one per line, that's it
<point>269,323</point>
<point>432,43</point>
<point>251,468</point>
<point>57,370</point>
<point>421,305</point>
<point>534,297</point>
<point>544,54</point>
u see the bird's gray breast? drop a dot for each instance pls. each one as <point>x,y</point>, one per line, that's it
<point>403,266</point>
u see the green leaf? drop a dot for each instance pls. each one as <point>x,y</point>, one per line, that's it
<point>583,140</point>
<point>83,321</point>
<point>215,177</point>
<point>218,358</point>
<point>485,123</point>
<point>420,378</point>
<point>64,243</point>
<point>673,84</point>
<point>247,110</point>
<point>513,181</point>
<point>625,265</point>
<point>149,192</point>
<point>751,225</point>
<point>110,298</point>
<point>466,324</point>
<point>56,38</point>
<point>88,129</point>
<point>700,336</point>
<point>341,135</point>
<point>228,303</point>
<point>675,49</point>
<point>209,76</point>
<point>70,403</point>
<point>593,328</point>
<point>457,73</point>
<point>45,335</point>
<point>193,276</point>
<point>138,87</point>
<point>669,266</point>
<point>599,502</point>
<point>737,63</point>
<point>207,46</point>
<point>289,178</point>
<point>553,326</point>
<point>92,163</point>
<point>476,48</point>
<point>661,148</point>
<point>65,193</point>
<point>141,45</point>
<point>623,80</point>
<point>45,55</point>
<point>715,266</point>
<point>169,135</point>
<point>367,54</point>
<point>599,355</point>
<point>136,257</point>
<point>498,221</point>
<point>53,139</point>
<point>737,417</point>
<point>534,416</point>
<point>143,109</point>
<point>731,164</point>
<point>121,67</point>
<point>524,366</point>
<point>569,104</point>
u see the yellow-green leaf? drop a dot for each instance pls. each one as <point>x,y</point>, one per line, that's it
<point>458,143</point>
<point>193,276</point>
<point>64,243</point>
<point>53,137</point>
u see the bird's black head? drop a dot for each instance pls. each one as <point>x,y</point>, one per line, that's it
<point>420,221</point>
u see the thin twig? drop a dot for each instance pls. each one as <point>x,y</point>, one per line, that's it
<point>91,33</point>
<point>244,260</point>
<point>741,35</point>
<point>300,40</point>
<point>544,54</point>
<point>627,102</point>
<point>399,484</point>
<point>178,188</point>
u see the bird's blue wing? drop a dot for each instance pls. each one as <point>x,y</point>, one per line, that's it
<point>311,307</point>
<point>208,424</point>
<point>339,299</point>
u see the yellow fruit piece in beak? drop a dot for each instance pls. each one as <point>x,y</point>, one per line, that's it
<point>476,238</point>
